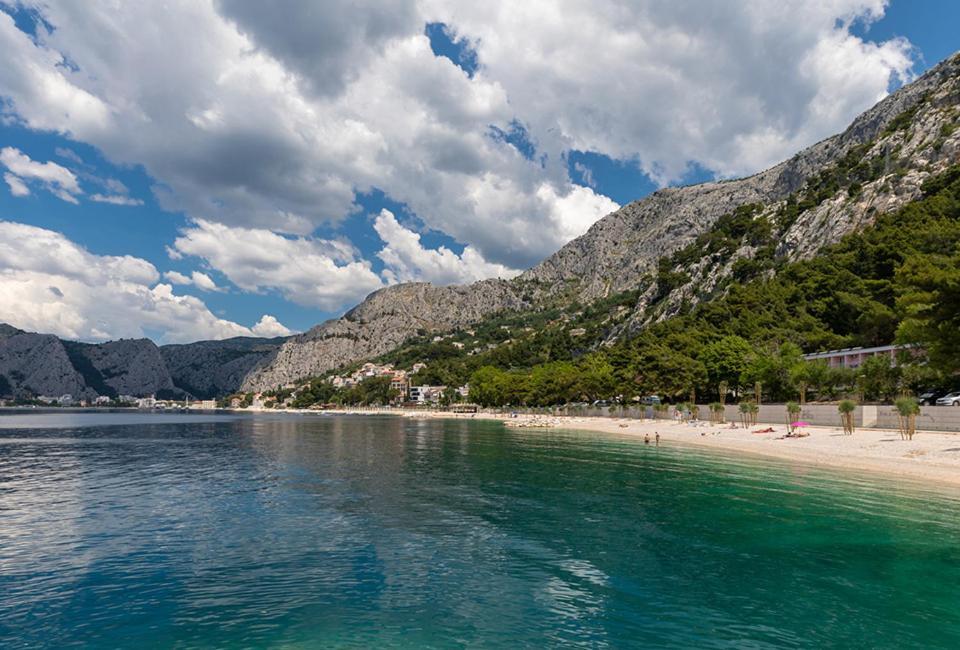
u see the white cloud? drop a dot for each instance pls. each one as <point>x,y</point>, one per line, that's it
<point>407,260</point>
<point>196,278</point>
<point>16,184</point>
<point>69,154</point>
<point>115,199</point>
<point>175,277</point>
<point>313,272</point>
<point>203,281</point>
<point>682,81</point>
<point>268,327</point>
<point>50,284</point>
<point>251,129</point>
<point>57,180</point>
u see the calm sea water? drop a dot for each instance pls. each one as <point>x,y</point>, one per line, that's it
<point>141,531</point>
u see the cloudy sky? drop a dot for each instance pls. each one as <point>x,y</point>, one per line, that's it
<point>212,168</point>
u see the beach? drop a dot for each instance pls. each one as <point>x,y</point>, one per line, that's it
<point>930,456</point>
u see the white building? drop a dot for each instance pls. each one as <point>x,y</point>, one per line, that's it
<point>426,394</point>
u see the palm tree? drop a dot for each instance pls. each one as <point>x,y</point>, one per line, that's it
<point>745,413</point>
<point>846,408</point>
<point>793,414</point>
<point>907,409</point>
<point>716,412</point>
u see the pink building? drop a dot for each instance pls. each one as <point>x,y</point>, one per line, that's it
<point>853,357</point>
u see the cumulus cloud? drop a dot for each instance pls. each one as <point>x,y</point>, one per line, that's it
<point>57,180</point>
<point>680,82</point>
<point>50,284</point>
<point>408,260</point>
<point>196,278</point>
<point>176,277</point>
<point>269,327</point>
<point>327,274</point>
<point>253,130</point>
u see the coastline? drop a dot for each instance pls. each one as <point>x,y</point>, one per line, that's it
<point>931,457</point>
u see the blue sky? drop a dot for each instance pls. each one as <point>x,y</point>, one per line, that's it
<point>500,173</point>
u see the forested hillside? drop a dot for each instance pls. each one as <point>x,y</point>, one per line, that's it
<point>898,279</point>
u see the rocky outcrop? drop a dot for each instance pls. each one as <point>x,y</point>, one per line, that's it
<point>36,364</point>
<point>618,250</point>
<point>208,369</point>
<point>125,367</point>
<point>379,324</point>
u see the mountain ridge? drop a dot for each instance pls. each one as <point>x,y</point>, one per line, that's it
<point>620,251</point>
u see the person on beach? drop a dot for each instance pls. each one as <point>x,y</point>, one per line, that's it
<point>658,438</point>
<point>646,439</point>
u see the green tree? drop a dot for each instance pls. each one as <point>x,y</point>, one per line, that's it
<point>597,380</point>
<point>929,298</point>
<point>486,386</point>
<point>880,378</point>
<point>774,369</point>
<point>725,359</point>
<point>907,409</point>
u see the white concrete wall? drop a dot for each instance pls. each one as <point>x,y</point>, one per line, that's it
<point>882,416</point>
<point>931,418</point>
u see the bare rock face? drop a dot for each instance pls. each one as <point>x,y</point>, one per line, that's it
<point>125,367</point>
<point>379,324</point>
<point>624,246</point>
<point>208,369</point>
<point>36,364</point>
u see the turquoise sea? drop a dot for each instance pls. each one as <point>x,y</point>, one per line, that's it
<point>160,531</point>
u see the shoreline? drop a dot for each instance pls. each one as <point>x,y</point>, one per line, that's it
<point>931,457</point>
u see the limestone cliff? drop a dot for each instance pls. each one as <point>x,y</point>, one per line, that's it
<point>380,323</point>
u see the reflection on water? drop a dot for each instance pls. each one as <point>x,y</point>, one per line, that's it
<point>211,531</point>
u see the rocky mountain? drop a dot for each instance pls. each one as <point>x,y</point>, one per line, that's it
<point>380,323</point>
<point>208,369</point>
<point>125,367</point>
<point>42,364</point>
<point>36,364</point>
<point>829,189</point>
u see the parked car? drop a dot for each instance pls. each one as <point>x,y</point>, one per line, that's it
<point>930,397</point>
<point>650,400</point>
<point>950,399</point>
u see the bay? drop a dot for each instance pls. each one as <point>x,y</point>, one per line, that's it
<point>143,530</point>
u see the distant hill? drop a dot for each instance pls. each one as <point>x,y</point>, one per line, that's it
<point>41,364</point>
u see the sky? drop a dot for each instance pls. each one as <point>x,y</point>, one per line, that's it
<point>212,168</point>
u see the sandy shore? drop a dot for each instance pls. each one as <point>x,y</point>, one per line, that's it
<point>930,456</point>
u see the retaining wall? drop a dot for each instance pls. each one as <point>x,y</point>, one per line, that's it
<point>881,416</point>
